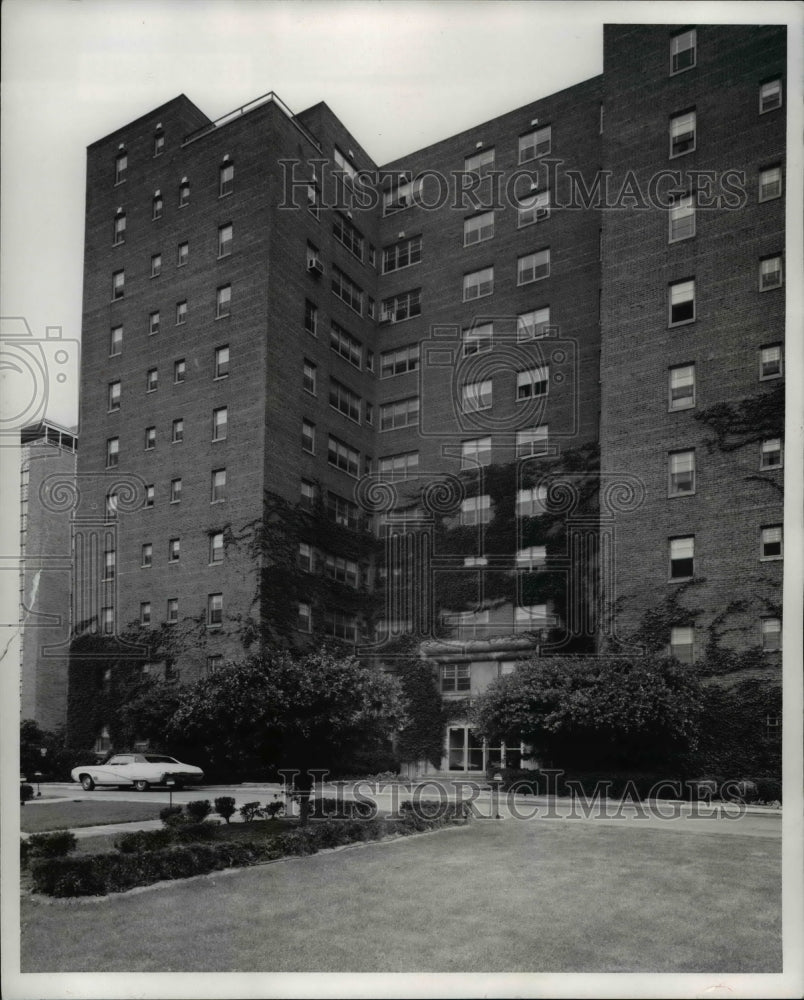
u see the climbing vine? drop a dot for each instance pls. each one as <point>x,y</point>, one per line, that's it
<point>751,420</point>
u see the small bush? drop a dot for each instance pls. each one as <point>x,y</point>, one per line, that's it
<point>195,832</point>
<point>199,810</point>
<point>273,809</point>
<point>769,790</point>
<point>171,815</point>
<point>330,808</point>
<point>57,844</point>
<point>225,807</point>
<point>144,840</point>
<point>26,792</point>
<point>250,811</point>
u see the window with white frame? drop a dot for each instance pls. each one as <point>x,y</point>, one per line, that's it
<point>225,179</point>
<point>120,167</point>
<point>477,284</point>
<point>309,377</point>
<point>311,317</point>
<point>770,183</point>
<point>535,143</point>
<point>478,228</point>
<point>223,301</point>
<point>343,343</point>
<point>346,290</point>
<point>402,254</point>
<point>347,234</point>
<point>181,312</point>
<point>403,306</point>
<point>115,341</point>
<point>770,95</point>
<point>533,267</point>
<point>532,324</point>
<point>771,634</point>
<point>770,361</point>
<point>174,549</point>
<point>455,677</point>
<point>681,473</point>
<point>154,321</point>
<point>530,618</point>
<point>342,456</point>
<point>304,558</point>
<point>476,396</point>
<point>532,383</point>
<point>532,208</point>
<point>681,219</point>
<point>770,273</point>
<point>216,547</point>
<point>480,162</point>
<point>342,511</point>
<point>177,435</point>
<point>145,613</point>
<point>770,542</point>
<point>152,380</point>
<point>532,557</point>
<point>112,452</point>
<point>156,265</point>
<point>401,195</point>
<point>307,494</point>
<point>225,240</point>
<point>342,570</point>
<point>157,204</point>
<point>172,610</point>
<point>183,254</point>
<point>147,555</point>
<point>215,609</point>
<point>150,495</point>
<point>478,339</point>
<point>179,371</point>
<point>119,235</point>
<point>308,437</point>
<point>682,558</point>
<point>681,387</point>
<point>113,402</point>
<point>531,502</point>
<point>681,302</point>
<point>345,166</point>
<point>118,284</point>
<point>304,617</point>
<point>159,143</point>
<point>683,51</point>
<point>682,643</point>
<point>682,133</point>
<point>399,361</point>
<point>218,485</point>
<point>342,399</point>
<point>150,438</point>
<point>184,193</point>
<point>403,466</point>
<point>175,490</point>
<point>531,441</point>
<point>770,453</point>
<point>400,413</point>
<point>221,368</point>
<point>475,451</point>
<point>476,510</point>
<point>220,423</point>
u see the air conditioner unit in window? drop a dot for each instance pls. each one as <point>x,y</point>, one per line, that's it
<point>315,266</point>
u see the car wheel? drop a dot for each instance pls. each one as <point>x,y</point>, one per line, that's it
<point>87,783</point>
<point>141,786</point>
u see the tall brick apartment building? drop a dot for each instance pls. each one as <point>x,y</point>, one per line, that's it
<point>279,334</point>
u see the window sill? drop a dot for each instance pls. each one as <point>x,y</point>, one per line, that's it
<point>685,152</point>
<point>680,579</point>
<point>681,322</point>
<point>771,558</point>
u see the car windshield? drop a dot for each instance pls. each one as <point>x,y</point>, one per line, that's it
<point>154,759</point>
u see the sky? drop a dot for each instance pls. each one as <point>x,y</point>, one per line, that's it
<point>400,74</point>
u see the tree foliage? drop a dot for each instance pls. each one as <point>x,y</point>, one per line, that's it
<point>422,737</point>
<point>585,711</point>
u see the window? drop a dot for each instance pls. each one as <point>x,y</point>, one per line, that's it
<point>159,143</point>
<point>770,273</point>
<point>172,610</point>
<point>533,208</point>
<point>401,195</point>
<point>478,339</point>
<point>346,345</point>
<point>531,502</point>
<point>156,265</point>
<point>369,413</point>
<point>153,323</point>
<point>181,312</point>
<point>183,254</point>
<point>455,677</point>
<point>343,457</point>
<point>476,396</point>
<point>531,441</point>
<point>348,234</point>
<point>531,557</point>
<point>681,219</point>
<point>682,643</point>
<point>112,452</point>
<point>218,485</point>
<point>118,285</point>
<point>476,451</point>
<point>313,200</point>
<point>532,383</point>
<point>147,555</point>
<point>178,431</point>
<point>681,302</point>
<point>215,609</point>
<point>770,183</point>
<point>223,301</point>
<point>478,228</point>
<point>533,324</point>
<point>152,380</point>
<point>222,361</point>
<point>220,423</point>
<point>115,341</point>
<point>149,496</point>
<point>770,454</point>
<point>402,254</point>
<point>109,564</point>
<point>216,547</point>
<point>771,633</point>
<point>179,371</point>
<point>214,663</point>
<point>184,193</point>
<point>681,473</point>
<point>175,490</point>
<point>310,317</point>
<point>401,413</point>
<point>150,438</point>
<point>309,377</point>
<point>225,179</point>
<point>533,267</point>
<point>119,229</point>
<point>770,542</point>
<point>346,290</point>
<point>401,307</point>
<point>476,510</point>
<point>399,361</point>
<point>341,625</point>
<point>479,163</point>
<point>308,437</point>
<point>535,143</point>
<point>682,558</point>
<point>145,613</point>
<point>114,396</point>
<point>681,387</point>
<point>770,361</point>
<point>224,241</point>
<point>343,512</point>
<point>304,559</point>
<point>682,134</point>
<point>478,284</point>
<point>342,570</point>
<point>307,494</point>
<point>174,549</point>
<point>770,96</point>
<point>156,206</point>
<point>682,51</point>
<point>400,466</point>
<point>344,400</point>
<point>304,619</point>
<point>120,167</point>
<point>345,166</point>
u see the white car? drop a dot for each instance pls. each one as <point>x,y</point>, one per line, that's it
<point>138,769</point>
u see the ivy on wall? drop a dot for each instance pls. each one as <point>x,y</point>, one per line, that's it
<point>748,421</point>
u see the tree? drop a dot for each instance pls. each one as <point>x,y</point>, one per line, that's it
<point>587,711</point>
<point>422,737</point>
<point>282,711</point>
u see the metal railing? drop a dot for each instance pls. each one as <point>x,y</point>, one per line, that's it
<point>244,109</point>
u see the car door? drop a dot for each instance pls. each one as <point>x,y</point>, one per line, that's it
<point>116,770</point>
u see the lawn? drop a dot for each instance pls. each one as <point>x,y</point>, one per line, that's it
<point>539,896</point>
<point>67,815</point>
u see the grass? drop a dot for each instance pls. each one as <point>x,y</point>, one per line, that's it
<point>538,896</point>
<point>67,815</point>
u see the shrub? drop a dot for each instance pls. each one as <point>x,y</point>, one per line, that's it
<point>194,832</point>
<point>769,790</point>
<point>273,809</point>
<point>225,807</point>
<point>26,792</point>
<point>199,810</point>
<point>249,811</point>
<point>330,808</point>
<point>144,840</point>
<point>50,845</point>
<point>172,815</point>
